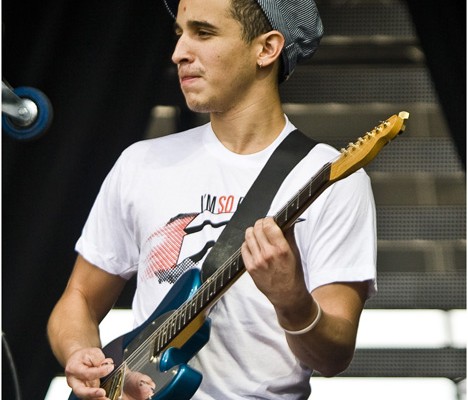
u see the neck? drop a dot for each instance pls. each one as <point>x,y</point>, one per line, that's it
<point>250,128</point>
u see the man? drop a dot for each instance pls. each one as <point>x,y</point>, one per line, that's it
<point>298,307</point>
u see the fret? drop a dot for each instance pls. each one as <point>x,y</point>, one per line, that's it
<point>305,196</point>
<point>294,205</point>
<point>206,290</point>
<point>158,343</point>
<point>206,294</point>
<point>280,218</point>
<point>190,310</point>
<point>231,265</point>
<point>200,304</point>
<point>221,276</point>
<point>193,307</point>
<point>173,329</point>
<point>167,329</point>
<point>219,282</point>
<point>164,334</point>
<point>232,268</point>
<point>211,293</point>
<point>179,321</point>
<point>212,286</point>
<point>227,271</point>
<point>237,262</point>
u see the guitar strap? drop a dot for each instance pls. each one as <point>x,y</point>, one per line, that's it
<point>257,201</point>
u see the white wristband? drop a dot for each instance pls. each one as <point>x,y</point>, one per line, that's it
<point>309,327</point>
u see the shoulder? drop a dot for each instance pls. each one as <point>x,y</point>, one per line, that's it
<point>324,153</point>
<point>163,150</point>
<point>173,142</point>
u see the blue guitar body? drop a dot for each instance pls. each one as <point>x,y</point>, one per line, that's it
<point>137,351</point>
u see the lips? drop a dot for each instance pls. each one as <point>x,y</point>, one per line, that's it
<point>187,78</point>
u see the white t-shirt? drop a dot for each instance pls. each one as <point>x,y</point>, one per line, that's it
<point>166,198</point>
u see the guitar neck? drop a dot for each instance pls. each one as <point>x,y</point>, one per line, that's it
<point>186,325</point>
<point>224,276</point>
<point>356,156</point>
<point>203,299</point>
<point>286,217</point>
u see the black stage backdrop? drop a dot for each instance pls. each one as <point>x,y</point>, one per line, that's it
<point>102,64</point>
<point>441,27</point>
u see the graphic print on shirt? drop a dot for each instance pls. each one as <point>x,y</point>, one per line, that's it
<point>185,240</point>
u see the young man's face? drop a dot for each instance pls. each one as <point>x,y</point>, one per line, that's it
<point>216,67</point>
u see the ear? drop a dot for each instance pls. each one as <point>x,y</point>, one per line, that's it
<point>270,44</point>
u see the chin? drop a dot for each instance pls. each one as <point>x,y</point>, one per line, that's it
<point>199,107</point>
<point>204,104</point>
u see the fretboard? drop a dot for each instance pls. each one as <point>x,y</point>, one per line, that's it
<point>225,275</point>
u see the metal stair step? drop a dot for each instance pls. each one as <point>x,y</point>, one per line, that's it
<point>441,290</point>
<point>421,222</point>
<point>358,84</point>
<point>365,17</point>
<point>344,122</point>
<point>421,255</point>
<point>423,189</point>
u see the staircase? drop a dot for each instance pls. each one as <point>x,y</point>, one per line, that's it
<point>368,67</point>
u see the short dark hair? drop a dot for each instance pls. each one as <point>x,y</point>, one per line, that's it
<point>251,17</point>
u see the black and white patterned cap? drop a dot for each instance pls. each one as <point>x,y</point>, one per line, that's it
<point>299,22</point>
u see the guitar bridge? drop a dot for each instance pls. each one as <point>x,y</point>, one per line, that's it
<point>114,384</point>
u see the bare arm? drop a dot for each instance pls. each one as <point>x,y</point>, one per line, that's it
<point>272,261</point>
<point>73,326</point>
<point>329,347</point>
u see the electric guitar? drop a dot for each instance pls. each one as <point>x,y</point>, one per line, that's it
<point>161,347</point>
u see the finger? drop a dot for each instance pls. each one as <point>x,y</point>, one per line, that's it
<point>291,239</point>
<point>251,240</point>
<point>259,243</point>
<point>86,372</point>
<point>139,386</point>
<point>88,390</point>
<point>251,250</point>
<point>272,232</point>
<point>271,239</point>
<point>259,231</point>
<point>94,357</point>
<point>246,255</point>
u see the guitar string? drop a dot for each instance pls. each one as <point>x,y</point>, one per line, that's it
<point>306,188</point>
<point>206,289</point>
<point>135,361</point>
<point>234,260</point>
<point>147,344</point>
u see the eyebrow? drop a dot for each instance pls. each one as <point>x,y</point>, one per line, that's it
<point>196,25</point>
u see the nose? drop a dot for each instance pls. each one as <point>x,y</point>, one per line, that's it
<point>181,52</point>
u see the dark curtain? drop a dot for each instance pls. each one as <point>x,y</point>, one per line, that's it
<point>102,64</point>
<point>441,27</point>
